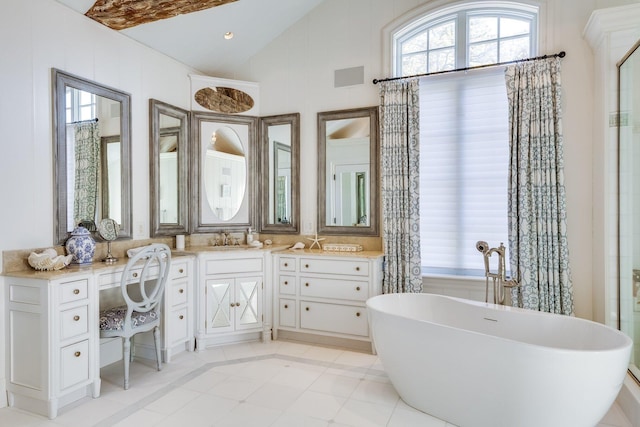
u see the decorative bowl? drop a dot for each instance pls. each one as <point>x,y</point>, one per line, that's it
<point>48,260</point>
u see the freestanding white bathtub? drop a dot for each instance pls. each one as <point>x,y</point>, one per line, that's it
<point>475,364</point>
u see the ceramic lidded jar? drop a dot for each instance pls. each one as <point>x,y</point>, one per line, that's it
<point>81,245</point>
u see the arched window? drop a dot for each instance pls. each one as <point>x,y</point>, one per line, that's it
<point>465,35</point>
<point>464,132</point>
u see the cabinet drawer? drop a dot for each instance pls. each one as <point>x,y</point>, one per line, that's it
<point>177,322</point>
<point>331,266</point>
<point>226,266</point>
<point>112,280</point>
<point>288,313</point>
<point>74,364</point>
<point>179,292</point>
<point>73,291</point>
<point>287,285</point>
<point>74,322</point>
<point>179,270</point>
<point>287,264</point>
<point>321,287</point>
<point>342,319</point>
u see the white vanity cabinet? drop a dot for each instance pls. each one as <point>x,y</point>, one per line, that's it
<point>52,345</point>
<point>179,314</point>
<point>321,296</point>
<point>53,348</point>
<point>230,296</point>
<point>177,327</point>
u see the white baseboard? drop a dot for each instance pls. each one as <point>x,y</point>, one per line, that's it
<point>3,389</point>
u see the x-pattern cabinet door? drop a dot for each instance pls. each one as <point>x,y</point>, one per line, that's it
<point>233,304</point>
<point>219,305</point>
<point>248,308</point>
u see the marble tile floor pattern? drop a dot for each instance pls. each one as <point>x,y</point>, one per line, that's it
<point>275,384</point>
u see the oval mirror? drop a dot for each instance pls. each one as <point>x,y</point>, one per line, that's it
<point>347,172</point>
<point>225,173</point>
<point>92,138</point>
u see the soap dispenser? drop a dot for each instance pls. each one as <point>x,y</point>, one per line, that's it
<point>249,236</point>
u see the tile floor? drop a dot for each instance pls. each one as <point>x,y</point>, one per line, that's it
<point>278,384</point>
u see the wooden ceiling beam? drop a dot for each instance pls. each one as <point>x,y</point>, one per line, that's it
<point>122,14</point>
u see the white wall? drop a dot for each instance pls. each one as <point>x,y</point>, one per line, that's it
<point>36,35</point>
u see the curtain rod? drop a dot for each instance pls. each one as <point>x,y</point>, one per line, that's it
<point>559,55</point>
<point>83,121</point>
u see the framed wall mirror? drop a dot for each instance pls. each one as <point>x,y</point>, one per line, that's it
<point>280,139</point>
<point>348,172</point>
<point>168,148</point>
<point>224,165</point>
<point>92,155</point>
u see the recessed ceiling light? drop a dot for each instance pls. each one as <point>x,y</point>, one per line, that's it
<point>228,35</point>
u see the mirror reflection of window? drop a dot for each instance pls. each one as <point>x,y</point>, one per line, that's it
<point>93,157</point>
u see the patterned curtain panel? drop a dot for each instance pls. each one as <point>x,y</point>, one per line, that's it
<point>87,167</point>
<point>400,166</point>
<point>537,206</point>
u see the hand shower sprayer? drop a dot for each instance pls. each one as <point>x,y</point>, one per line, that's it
<point>482,246</point>
<point>499,278</point>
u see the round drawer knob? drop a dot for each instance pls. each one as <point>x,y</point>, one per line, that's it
<point>357,268</point>
<point>181,317</point>
<point>307,284</point>
<point>237,304</point>
<point>286,283</point>
<point>357,288</point>
<point>181,291</point>
<point>286,264</point>
<point>76,318</point>
<point>181,270</point>
<point>233,304</point>
<point>306,266</point>
<point>307,308</point>
<point>77,354</point>
<point>286,306</point>
<point>358,314</point>
<point>135,274</point>
<point>76,291</point>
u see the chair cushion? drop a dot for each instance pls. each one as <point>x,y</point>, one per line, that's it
<point>112,319</point>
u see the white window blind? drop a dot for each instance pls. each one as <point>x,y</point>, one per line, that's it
<point>464,155</point>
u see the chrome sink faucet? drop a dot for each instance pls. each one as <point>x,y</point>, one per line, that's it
<point>499,278</point>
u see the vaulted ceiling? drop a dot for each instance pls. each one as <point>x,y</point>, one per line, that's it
<point>192,32</point>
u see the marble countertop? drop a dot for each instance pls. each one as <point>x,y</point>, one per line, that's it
<point>78,270</point>
<point>190,251</point>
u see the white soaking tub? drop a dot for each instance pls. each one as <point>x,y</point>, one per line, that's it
<point>475,364</point>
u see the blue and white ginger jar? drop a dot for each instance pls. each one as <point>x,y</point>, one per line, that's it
<point>81,245</point>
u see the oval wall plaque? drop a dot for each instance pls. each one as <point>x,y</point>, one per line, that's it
<point>224,100</point>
